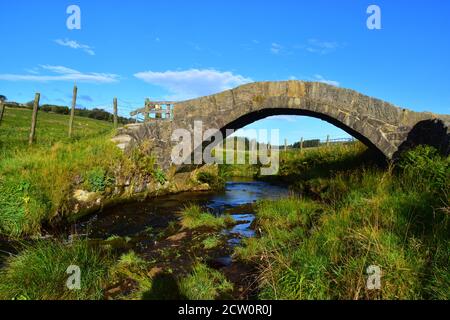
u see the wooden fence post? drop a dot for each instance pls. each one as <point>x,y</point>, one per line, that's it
<point>2,110</point>
<point>115,114</point>
<point>285,145</point>
<point>328,140</point>
<point>37,97</point>
<point>147,114</point>
<point>301,144</point>
<point>72,111</point>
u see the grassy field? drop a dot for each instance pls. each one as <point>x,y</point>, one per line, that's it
<point>36,181</point>
<point>51,128</point>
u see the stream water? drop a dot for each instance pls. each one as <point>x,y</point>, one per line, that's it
<point>151,229</point>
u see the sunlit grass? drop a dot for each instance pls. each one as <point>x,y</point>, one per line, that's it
<point>39,272</point>
<point>211,242</point>
<point>36,182</point>
<point>393,219</point>
<point>205,284</point>
<point>193,217</point>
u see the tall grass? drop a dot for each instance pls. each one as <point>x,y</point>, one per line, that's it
<point>205,284</point>
<point>37,182</point>
<point>392,219</point>
<point>35,186</point>
<point>39,272</point>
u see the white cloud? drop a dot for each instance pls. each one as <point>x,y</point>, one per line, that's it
<point>61,73</point>
<point>33,71</point>
<point>320,78</point>
<point>193,82</point>
<point>321,47</point>
<point>59,69</point>
<point>275,48</point>
<point>75,45</point>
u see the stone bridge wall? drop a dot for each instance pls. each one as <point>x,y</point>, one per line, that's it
<point>378,124</point>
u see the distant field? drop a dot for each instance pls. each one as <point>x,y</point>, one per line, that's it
<point>51,128</point>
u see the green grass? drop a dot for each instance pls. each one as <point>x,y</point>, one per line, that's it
<point>35,186</point>
<point>205,284</point>
<point>37,182</point>
<point>295,165</point>
<point>211,242</point>
<point>39,272</point>
<point>193,217</point>
<point>320,247</point>
<point>51,128</point>
<point>131,266</point>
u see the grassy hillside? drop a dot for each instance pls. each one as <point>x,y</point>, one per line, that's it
<point>51,128</point>
<point>35,182</point>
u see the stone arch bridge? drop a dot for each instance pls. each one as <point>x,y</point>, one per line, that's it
<point>380,125</point>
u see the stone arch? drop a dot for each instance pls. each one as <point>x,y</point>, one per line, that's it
<point>379,124</point>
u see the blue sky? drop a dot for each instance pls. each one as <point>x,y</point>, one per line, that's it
<point>182,49</point>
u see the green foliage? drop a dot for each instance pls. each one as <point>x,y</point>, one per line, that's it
<point>160,176</point>
<point>20,208</point>
<point>39,272</point>
<point>425,168</point>
<point>307,144</point>
<point>320,248</point>
<point>215,181</point>
<point>97,180</point>
<point>36,182</point>
<point>205,284</point>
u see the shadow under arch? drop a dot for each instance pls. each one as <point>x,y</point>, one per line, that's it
<point>254,116</point>
<point>428,132</point>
